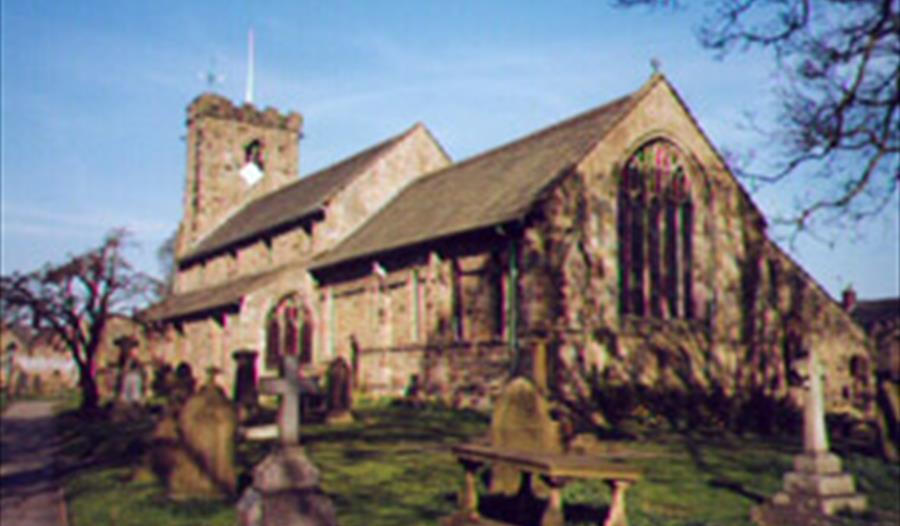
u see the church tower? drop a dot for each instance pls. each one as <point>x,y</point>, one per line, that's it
<point>234,154</point>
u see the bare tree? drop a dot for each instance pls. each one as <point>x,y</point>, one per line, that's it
<point>75,300</point>
<point>838,123</point>
<point>165,256</point>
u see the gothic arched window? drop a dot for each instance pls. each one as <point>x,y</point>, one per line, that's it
<point>655,228</point>
<point>288,331</point>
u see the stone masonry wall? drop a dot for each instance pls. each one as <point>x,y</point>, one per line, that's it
<point>755,311</point>
<point>435,317</point>
<point>416,154</point>
<point>467,374</point>
<point>218,133</point>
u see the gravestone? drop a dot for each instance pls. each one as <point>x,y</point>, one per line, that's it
<point>887,414</point>
<point>133,384</point>
<point>246,394</point>
<point>521,421</point>
<point>817,488</point>
<point>285,489</point>
<point>125,344</point>
<point>162,378</point>
<point>204,465</point>
<point>181,386</point>
<point>339,391</point>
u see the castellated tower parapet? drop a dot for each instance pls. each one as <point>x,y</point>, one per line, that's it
<point>234,154</point>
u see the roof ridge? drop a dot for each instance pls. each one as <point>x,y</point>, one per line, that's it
<point>601,119</point>
<point>324,170</point>
<point>377,150</point>
<point>585,115</point>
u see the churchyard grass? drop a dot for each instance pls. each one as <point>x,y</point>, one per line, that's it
<point>392,466</point>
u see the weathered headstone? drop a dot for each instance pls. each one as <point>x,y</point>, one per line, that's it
<point>285,490</point>
<point>817,488</point>
<point>133,384</point>
<point>521,421</point>
<point>339,389</point>
<point>246,394</point>
<point>162,378</point>
<point>164,444</point>
<point>413,394</point>
<point>207,426</point>
<point>181,387</point>
<point>113,376</point>
<point>888,417</point>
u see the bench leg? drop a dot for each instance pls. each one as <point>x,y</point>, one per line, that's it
<point>616,515</point>
<point>469,497</point>
<point>553,516</point>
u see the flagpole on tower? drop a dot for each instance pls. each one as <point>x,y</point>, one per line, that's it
<point>248,96</point>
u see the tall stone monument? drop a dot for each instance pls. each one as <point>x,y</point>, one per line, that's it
<point>817,488</point>
<point>285,490</point>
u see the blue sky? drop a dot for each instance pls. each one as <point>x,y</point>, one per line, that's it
<point>94,94</point>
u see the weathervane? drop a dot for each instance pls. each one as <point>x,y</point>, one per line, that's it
<point>656,64</point>
<point>210,77</point>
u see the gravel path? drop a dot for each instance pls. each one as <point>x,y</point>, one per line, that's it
<point>29,493</point>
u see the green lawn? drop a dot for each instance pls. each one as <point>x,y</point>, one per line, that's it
<point>392,467</point>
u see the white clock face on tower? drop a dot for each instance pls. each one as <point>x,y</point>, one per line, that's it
<point>252,170</point>
<point>251,173</point>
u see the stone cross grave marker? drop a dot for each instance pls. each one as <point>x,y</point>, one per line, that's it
<point>815,439</point>
<point>289,388</point>
<point>817,486</point>
<point>285,490</point>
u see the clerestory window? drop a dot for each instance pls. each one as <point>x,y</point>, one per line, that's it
<point>655,229</point>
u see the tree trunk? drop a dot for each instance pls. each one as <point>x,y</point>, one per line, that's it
<point>89,397</point>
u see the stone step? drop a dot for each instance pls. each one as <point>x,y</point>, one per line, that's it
<point>818,463</point>
<point>828,505</point>
<point>822,485</point>
<point>832,505</point>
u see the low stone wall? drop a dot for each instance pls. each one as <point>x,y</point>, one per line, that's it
<point>462,374</point>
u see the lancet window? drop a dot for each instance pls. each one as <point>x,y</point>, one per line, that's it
<point>655,229</point>
<point>288,331</point>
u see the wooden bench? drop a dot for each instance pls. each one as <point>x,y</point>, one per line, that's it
<point>554,469</point>
<point>524,440</point>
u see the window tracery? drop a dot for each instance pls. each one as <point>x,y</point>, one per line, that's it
<point>288,331</point>
<point>655,229</point>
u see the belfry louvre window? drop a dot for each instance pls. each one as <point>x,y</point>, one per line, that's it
<point>655,229</point>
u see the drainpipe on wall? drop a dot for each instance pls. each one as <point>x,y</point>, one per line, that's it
<point>512,294</point>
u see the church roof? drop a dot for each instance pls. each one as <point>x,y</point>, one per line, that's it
<point>492,188</point>
<point>289,205</point>
<point>217,297</point>
<point>870,312</point>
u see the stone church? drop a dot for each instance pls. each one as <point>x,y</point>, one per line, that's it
<point>616,241</point>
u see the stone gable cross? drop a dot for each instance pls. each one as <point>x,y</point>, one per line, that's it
<point>289,388</point>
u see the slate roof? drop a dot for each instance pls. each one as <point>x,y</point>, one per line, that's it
<point>290,204</point>
<point>492,188</point>
<point>228,294</point>
<point>870,312</point>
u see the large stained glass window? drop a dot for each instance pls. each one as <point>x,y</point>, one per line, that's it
<point>655,228</point>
